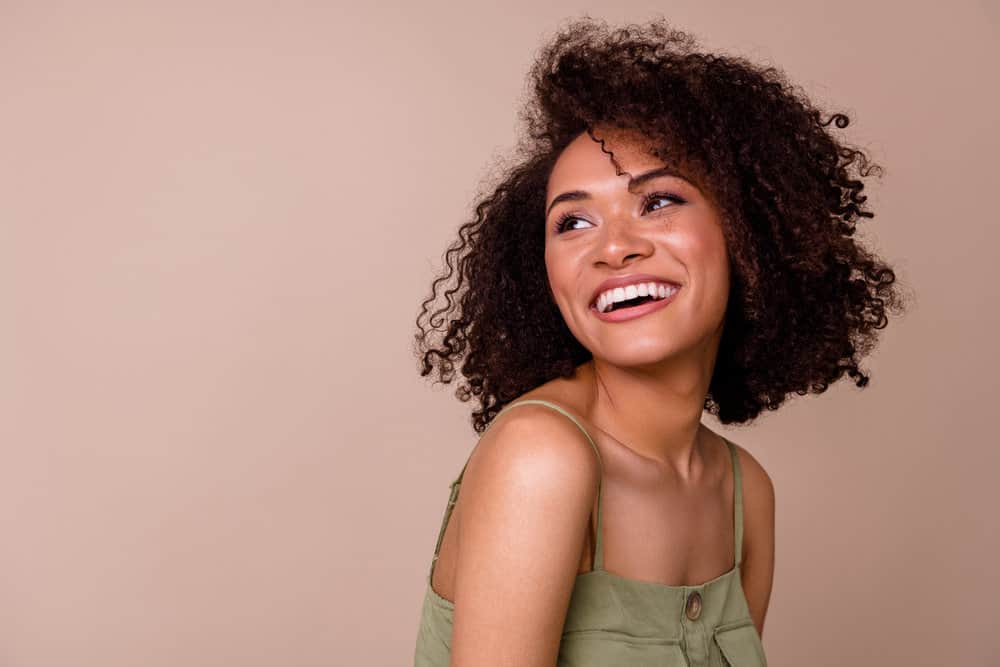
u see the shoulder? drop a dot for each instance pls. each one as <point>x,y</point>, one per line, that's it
<point>526,497</point>
<point>758,535</point>
<point>758,489</point>
<point>758,510</point>
<point>534,446</point>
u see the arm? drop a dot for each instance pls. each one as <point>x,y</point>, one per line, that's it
<point>526,500</point>
<point>757,570</point>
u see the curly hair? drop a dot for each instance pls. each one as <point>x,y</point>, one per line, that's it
<point>806,299</point>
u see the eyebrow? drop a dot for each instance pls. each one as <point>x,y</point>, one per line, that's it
<point>577,195</point>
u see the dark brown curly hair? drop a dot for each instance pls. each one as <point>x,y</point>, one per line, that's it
<point>806,298</point>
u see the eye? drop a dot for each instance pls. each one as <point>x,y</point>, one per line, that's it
<point>563,222</point>
<point>661,196</point>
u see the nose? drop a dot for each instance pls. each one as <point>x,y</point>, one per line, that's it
<point>618,244</point>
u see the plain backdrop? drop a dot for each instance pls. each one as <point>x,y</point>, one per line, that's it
<point>217,221</point>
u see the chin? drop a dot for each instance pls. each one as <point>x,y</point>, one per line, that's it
<point>637,356</point>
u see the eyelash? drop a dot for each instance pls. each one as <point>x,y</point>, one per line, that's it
<point>562,220</point>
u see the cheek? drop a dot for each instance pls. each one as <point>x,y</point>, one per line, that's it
<point>562,283</point>
<point>698,249</point>
<point>715,258</point>
<point>559,269</point>
<point>555,275</point>
<point>702,248</point>
<point>703,240</point>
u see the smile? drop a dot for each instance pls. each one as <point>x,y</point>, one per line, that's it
<point>644,306</point>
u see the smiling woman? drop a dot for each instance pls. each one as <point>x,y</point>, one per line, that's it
<point>661,222</point>
<point>675,238</point>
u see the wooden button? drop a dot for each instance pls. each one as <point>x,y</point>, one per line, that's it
<point>693,607</point>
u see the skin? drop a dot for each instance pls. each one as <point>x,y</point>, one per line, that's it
<point>524,520</point>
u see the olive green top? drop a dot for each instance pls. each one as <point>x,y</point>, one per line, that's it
<point>613,620</point>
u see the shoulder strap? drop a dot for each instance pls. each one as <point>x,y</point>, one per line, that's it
<point>737,501</point>
<point>599,542</point>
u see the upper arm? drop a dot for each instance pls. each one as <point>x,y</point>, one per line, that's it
<point>757,571</point>
<point>526,497</point>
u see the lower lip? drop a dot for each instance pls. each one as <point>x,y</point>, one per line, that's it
<point>635,311</point>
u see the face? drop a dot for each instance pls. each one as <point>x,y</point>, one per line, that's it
<point>601,235</point>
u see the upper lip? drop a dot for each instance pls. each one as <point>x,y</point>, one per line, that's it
<point>630,279</point>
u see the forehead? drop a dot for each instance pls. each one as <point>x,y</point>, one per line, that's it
<point>584,160</point>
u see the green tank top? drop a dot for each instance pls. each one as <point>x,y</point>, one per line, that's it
<point>613,620</point>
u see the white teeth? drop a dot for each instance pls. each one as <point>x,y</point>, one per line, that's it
<point>612,296</point>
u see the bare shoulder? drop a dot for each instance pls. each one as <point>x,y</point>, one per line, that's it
<point>526,495</point>
<point>757,485</point>
<point>758,501</point>
<point>758,536</point>
<point>534,445</point>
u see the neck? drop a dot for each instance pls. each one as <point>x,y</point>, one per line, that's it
<point>653,410</point>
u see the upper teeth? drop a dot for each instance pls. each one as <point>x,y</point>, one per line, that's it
<point>605,300</point>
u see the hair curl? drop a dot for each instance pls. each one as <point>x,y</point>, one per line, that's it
<point>806,298</point>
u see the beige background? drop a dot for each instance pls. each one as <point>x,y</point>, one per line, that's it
<point>217,222</point>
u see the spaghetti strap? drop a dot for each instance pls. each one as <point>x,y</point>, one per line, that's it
<point>455,485</point>
<point>737,502</point>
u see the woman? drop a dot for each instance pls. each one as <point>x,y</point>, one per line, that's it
<point>676,237</point>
